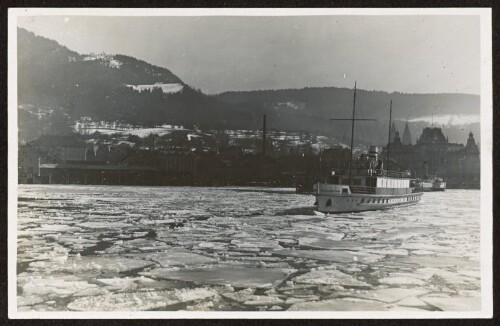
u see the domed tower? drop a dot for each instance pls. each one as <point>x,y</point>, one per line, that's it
<point>471,146</point>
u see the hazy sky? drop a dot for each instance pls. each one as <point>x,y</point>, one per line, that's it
<point>413,54</point>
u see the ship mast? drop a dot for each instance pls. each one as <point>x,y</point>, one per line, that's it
<point>352,130</point>
<point>352,133</point>
<point>389,138</point>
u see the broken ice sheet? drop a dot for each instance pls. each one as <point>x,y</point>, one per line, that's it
<point>225,274</point>
<point>30,300</point>
<point>451,278</point>
<point>330,277</point>
<point>259,243</point>
<point>60,286</point>
<point>176,257</point>
<point>373,246</point>
<point>75,264</point>
<point>144,244</point>
<point>139,301</point>
<point>327,242</point>
<point>340,256</point>
<point>294,300</point>
<point>54,228</point>
<point>344,304</point>
<point>391,295</point>
<point>453,303</point>
<point>263,300</point>
<point>105,225</point>
<point>401,280</point>
<point>248,298</point>
<point>124,283</point>
<point>431,261</point>
<point>412,302</point>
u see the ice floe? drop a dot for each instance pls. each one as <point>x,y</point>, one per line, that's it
<point>344,304</point>
<point>175,258</point>
<point>340,256</point>
<point>55,287</point>
<point>137,301</point>
<point>449,303</point>
<point>235,276</point>
<point>391,295</point>
<point>330,277</point>
<point>87,263</point>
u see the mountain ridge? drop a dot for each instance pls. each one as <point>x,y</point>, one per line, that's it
<point>69,85</point>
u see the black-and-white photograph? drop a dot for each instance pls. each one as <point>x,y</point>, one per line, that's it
<point>277,163</point>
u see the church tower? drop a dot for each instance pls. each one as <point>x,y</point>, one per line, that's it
<point>397,140</point>
<point>407,136</point>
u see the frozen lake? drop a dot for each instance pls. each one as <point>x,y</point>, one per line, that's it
<point>101,248</point>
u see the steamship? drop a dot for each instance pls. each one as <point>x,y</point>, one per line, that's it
<point>433,184</point>
<point>365,186</point>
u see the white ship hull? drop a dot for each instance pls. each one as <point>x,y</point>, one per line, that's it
<point>339,199</point>
<point>361,202</point>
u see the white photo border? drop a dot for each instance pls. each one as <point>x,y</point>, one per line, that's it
<point>486,103</point>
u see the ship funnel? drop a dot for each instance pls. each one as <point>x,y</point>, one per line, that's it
<point>373,153</point>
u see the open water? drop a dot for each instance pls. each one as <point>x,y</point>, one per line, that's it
<point>107,248</point>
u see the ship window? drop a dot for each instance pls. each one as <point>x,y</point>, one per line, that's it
<point>362,201</point>
<point>329,202</point>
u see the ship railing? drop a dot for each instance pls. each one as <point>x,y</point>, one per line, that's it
<point>394,174</point>
<point>372,173</point>
<point>362,190</point>
<point>358,172</point>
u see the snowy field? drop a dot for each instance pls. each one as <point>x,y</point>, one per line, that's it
<point>106,248</point>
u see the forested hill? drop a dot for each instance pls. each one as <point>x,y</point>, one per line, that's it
<point>65,85</point>
<point>311,108</point>
<point>330,102</point>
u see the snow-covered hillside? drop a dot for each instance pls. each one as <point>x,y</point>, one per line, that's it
<point>166,88</point>
<point>106,59</point>
<point>87,126</point>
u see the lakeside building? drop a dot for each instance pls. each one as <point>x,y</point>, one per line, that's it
<point>434,155</point>
<point>213,160</point>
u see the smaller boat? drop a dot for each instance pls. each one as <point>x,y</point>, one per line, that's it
<point>433,184</point>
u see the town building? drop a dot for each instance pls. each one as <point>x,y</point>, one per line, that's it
<point>434,155</point>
